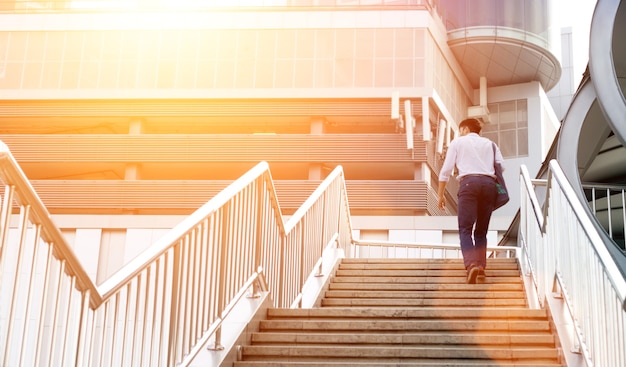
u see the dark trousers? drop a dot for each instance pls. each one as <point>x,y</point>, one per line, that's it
<point>476,198</point>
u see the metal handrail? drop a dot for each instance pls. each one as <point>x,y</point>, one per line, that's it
<point>569,259</point>
<point>610,211</point>
<point>164,304</point>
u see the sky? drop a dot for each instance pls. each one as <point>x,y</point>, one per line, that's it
<point>577,14</point>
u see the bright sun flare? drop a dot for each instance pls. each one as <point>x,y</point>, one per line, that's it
<point>136,4</point>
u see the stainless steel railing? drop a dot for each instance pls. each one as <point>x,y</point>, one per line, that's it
<point>608,204</point>
<point>566,257</point>
<point>162,306</point>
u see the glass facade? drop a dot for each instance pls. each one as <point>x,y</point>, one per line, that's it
<point>445,82</point>
<point>508,127</point>
<point>531,16</point>
<point>188,59</point>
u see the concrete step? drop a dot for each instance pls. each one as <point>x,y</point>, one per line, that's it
<point>422,302</point>
<point>422,363</point>
<point>406,339</point>
<point>398,354</point>
<point>419,312</point>
<point>406,313</point>
<point>405,325</point>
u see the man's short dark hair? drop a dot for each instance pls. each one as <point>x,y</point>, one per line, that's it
<point>472,124</point>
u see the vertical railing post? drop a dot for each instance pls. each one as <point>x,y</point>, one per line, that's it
<point>5,215</point>
<point>172,339</point>
<point>322,245</point>
<point>258,248</point>
<point>281,270</point>
<point>14,300</point>
<point>301,265</point>
<point>221,281</point>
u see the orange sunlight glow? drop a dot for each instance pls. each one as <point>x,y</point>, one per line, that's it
<point>169,4</point>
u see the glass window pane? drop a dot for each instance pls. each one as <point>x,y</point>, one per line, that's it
<point>146,74</point>
<point>507,111</point>
<point>71,70</point>
<point>226,47</point>
<point>383,73</point>
<point>32,75</point>
<point>36,46</point>
<point>225,74</point>
<point>166,74</point>
<point>12,75</point>
<point>265,73</point>
<point>89,73</point>
<point>112,46</point>
<point>383,43</point>
<point>285,45</point>
<point>127,74</point>
<point>364,73</point>
<point>4,46</point>
<point>404,43</point>
<point>168,45</point>
<point>491,135</point>
<point>419,73</point>
<point>304,74</point>
<point>403,73</point>
<point>186,74</point>
<point>55,46</point>
<point>245,73</point>
<point>188,45</point>
<point>364,45</point>
<point>324,44</point>
<point>109,74</point>
<point>208,45</point>
<point>206,74</point>
<point>508,143</point>
<point>344,70</point>
<point>494,116</point>
<point>17,46</point>
<point>92,46</point>
<point>522,142</point>
<point>284,74</point>
<point>304,44</point>
<point>129,44</point>
<point>246,45</point>
<point>323,74</point>
<point>344,48</point>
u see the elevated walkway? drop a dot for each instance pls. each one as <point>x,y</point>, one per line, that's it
<point>170,305</point>
<point>418,312</point>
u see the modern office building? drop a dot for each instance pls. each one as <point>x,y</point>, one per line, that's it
<point>147,109</point>
<point>128,116</point>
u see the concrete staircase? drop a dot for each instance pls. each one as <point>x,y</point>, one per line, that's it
<point>419,312</point>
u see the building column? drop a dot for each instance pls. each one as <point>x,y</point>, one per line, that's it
<point>317,128</point>
<point>133,171</point>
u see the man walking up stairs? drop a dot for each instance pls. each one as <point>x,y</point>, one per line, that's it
<point>413,312</point>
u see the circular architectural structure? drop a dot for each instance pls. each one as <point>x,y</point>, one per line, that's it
<point>508,42</point>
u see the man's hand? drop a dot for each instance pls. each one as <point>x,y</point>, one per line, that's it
<point>441,192</point>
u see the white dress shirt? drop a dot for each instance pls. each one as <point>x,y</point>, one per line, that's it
<point>472,154</point>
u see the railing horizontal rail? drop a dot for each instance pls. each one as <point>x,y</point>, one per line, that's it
<point>158,308</point>
<point>567,256</point>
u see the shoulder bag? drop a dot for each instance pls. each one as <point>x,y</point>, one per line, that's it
<point>503,194</point>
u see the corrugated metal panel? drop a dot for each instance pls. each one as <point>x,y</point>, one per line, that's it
<point>222,148</point>
<point>185,196</point>
<point>168,107</point>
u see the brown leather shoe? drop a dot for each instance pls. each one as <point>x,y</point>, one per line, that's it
<point>472,274</point>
